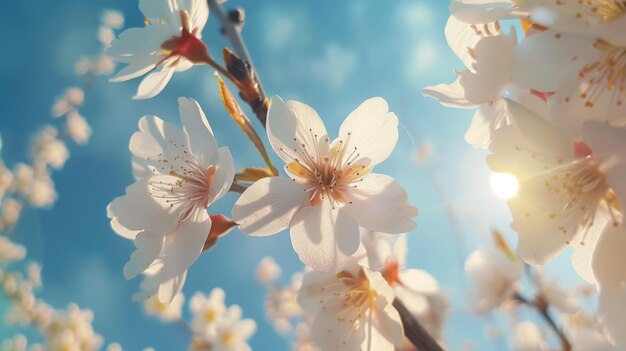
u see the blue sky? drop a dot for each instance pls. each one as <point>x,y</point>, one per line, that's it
<point>331,55</point>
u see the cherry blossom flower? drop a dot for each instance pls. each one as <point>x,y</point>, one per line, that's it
<point>566,193</point>
<point>332,188</point>
<point>352,309</point>
<point>486,51</point>
<point>167,312</point>
<point>233,332</point>
<point>528,337</point>
<point>281,306</point>
<point>77,128</point>
<point>165,213</point>
<point>267,271</point>
<point>170,41</point>
<point>10,251</point>
<point>494,276</point>
<point>586,333</point>
<point>207,310</point>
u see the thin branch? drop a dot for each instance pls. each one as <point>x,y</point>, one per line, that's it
<point>414,331</point>
<point>234,36</point>
<point>237,188</point>
<point>542,307</point>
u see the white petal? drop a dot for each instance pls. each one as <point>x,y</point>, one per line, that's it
<point>609,148</point>
<point>135,44</point>
<point>461,37</point>
<point>491,72</point>
<point>149,246</point>
<point>479,12</point>
<point>449,95</point>
<point>611,307</point>
<point>609,261</point>
<point>153,84</point>
<point>182,247</point>
<point>225,173</point>
<point>584,247</point>
<point>138,210</point>
<point>487,118</point>
<point>562,57</point>
<point>268,206</point>
<point>168,290</point>
<point>199,133</point>
<point>322,237</point>
<point>381,204</point>
<point>332,333</point>
<point>138,67</point>
<point>387,322</point>
<point>156,141</point>
<point>198,13</point>
<point>294,120</point>
<point>371,130</point>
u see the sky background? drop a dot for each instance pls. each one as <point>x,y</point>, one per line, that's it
<point>331,55</point>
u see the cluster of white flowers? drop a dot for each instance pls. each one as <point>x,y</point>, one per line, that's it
<point>551,107</point>
<point>66,106</point>
<point>102,64</point>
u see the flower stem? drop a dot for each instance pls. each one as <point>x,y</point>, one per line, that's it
<point>237,188</point>
<point>542,307</point>
<point>414,331</point>
<point>232,33</point>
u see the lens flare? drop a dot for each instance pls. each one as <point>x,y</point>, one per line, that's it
<point>504,185</point>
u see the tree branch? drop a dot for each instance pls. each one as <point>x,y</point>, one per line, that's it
<point>231,30</point>
<point>414,331</point>
<point>542,307</point>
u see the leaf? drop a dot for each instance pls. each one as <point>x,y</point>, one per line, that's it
<point>252,174</point>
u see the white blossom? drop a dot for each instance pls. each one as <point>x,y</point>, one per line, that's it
<point>167,312</point>
<point>330,188</point>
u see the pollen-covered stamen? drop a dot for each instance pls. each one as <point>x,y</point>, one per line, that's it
<point>356,298</point>
<point>187,45</point>
<point>607,10</point>
<point>329,171</point>
<point>190,187</point>
<point>607,73</point>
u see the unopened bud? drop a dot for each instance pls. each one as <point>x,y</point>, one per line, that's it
<point>220,226</point>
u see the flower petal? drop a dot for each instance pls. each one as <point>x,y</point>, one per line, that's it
<point>139,210</point>
<point>153,84</point>
<point>268,206</point>
<point>379,203</point>
<point>293,127</point>
<point>371,130</point>
<point>199,133</point>
<point>224,175</point>
<point>324,237</point>
<point>609,261</point>
<point>149,247</point>
<point>182,247</point>
<point>138,67</point>
<point>611,307</point>
<point>562,56</point>
<point>449,95</point>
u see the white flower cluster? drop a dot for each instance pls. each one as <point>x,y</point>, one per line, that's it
<point>102,64</point>
<point>550,105</point>
<point>213,325</point>
<point>66,106</point>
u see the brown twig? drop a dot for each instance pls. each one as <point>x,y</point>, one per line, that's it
<point>414,331</point>
<point>249,83</point>
<point>542,307</point>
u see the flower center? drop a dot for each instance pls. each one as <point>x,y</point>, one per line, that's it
<point>357,296</point>
<point>187,45</point>
<point>608,72</point>
<point>328,175</point>
<point>189,188</point>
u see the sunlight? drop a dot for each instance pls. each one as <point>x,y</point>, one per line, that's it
<point>504,185</point>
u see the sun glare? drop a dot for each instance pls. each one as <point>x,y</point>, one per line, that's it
<point>504,185</point>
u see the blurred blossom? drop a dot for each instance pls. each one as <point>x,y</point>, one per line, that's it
<point>34,274</point>
<point>528,337</point>
<point>232,332</point>
<point>586,333</point>
<point>6,179</point>
<point>47,149</point>
<point>304,339</point>
<point>42,192</point>
<point>10,251</point>
<point>207,310</point>
<point>423,153</point>
<point>77,128</point>
<point>267,271</point>
<point>550,292</point>
<point>11,210</point>
<point>281,305</point>
<point>114,347</point>
<point>494,276</point>
<point>75,96</point>
<point>17,343</point>
<point>167,312</point>
<point>113,19</point>
<point>106,36</point>
<point>24,178</point>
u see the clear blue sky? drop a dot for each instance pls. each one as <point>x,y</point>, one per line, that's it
<point>329,54</point>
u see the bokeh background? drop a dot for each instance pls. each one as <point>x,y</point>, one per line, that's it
<point>331,55</point>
